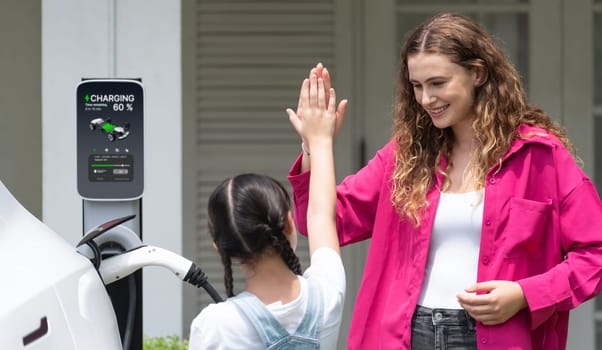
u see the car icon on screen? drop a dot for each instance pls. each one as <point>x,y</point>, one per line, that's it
<point>113,131</point>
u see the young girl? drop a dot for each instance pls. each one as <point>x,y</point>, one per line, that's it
<point>251,224</point>
<point>484,231</point>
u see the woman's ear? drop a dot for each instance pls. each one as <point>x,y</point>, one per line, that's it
<point>481,75</point>
<point>214,245</point>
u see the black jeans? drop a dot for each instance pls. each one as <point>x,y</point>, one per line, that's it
<point>442,329</point>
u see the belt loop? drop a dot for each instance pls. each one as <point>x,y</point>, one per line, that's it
<point>470,321</point>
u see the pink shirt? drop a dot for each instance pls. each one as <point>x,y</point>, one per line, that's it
<point>541,227</point>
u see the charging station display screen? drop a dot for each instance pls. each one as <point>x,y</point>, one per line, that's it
<point>110,139</point>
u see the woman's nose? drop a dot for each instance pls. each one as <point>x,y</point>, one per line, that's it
<point>427,97</point>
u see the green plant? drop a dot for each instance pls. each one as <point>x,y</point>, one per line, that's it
<point>171,342</point>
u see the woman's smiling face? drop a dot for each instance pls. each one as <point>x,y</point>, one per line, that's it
<point>444,89</point>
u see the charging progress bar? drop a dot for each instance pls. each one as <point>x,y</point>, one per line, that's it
<point>110,167</point>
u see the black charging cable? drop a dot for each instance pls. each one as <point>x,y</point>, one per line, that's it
<point>198,278</point>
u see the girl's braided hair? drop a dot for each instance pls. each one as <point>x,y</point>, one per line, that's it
<point>248,216</point>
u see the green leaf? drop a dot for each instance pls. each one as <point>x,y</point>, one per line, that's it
<point>171,342</point>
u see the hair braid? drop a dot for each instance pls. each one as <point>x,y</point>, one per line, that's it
<point>227,262</point>
<point>282,245</point>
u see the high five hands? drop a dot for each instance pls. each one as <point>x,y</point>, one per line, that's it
<point>318,123</point>
<point>296,118</point>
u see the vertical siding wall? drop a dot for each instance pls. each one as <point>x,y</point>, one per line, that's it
<point>20,102</point>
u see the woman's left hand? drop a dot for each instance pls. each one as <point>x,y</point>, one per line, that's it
<point>493,302</point>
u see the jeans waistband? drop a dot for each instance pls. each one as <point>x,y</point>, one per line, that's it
<point>440,316</point>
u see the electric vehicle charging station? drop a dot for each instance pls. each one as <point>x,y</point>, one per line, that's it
<point>110,180</point>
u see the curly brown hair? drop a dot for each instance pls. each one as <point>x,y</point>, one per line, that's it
<point>500,106</point>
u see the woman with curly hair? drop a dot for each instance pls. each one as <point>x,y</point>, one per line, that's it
<point>484,230</point>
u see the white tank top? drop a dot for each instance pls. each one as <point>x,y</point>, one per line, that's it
<point>454,249</point>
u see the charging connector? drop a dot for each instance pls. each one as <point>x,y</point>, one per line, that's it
<point>122,265</point>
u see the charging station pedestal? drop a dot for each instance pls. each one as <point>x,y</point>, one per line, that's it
<point>110,180</point>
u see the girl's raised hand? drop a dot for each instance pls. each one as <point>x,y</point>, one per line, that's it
<point>317,128</point>
<point>320,72</point>
<point>319,121</point>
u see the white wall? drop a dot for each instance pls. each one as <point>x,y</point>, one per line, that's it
<point>123,39</point>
